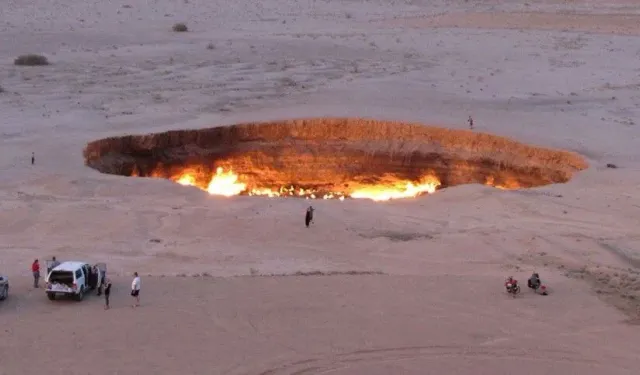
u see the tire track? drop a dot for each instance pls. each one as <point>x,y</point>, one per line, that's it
<point>349,359</point>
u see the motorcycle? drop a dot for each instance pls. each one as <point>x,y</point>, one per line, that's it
<point>512,289</point>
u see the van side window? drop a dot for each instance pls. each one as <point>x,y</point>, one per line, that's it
<point>78,274</point>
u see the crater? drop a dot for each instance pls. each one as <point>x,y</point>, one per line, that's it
<point>332,158</point>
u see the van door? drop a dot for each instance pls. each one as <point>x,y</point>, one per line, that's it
<point>80,279</point>
<point>87,271</point>
<point>102,268</point>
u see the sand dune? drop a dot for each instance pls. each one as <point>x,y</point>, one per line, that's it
<point>409,287</point>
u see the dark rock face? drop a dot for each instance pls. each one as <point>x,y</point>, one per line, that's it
<point>334,155</point>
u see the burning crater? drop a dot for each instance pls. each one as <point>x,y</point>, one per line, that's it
<point>331,158</point>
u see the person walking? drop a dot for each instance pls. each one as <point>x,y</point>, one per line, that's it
<point>35,269</point>
<point>135,289</point>
<point>107,292</point>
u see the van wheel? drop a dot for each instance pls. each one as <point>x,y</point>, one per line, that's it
<point>5,293</point>
<point>51,296</point>
<point>80,295</point>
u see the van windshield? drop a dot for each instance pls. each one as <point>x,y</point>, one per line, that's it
<point>61,277</point>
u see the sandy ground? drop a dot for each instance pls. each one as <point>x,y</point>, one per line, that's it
<point>559,74</point>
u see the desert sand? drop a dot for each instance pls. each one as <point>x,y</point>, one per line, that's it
<point>405,287</point>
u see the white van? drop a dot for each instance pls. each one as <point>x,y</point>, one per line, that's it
<point>74,279</point>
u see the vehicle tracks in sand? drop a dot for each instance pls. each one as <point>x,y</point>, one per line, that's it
<point>351,360</point>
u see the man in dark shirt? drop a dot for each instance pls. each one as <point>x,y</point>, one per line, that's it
<point>107,292</point>
<point>308,218</point>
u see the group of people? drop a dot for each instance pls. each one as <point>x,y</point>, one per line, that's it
<point>105,289</point>
<point>105,285</point>
<point>135,290</point>
<point>35,270</point>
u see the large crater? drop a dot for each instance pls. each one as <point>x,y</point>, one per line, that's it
<point>331,157</point>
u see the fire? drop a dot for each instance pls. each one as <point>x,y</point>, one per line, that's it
<point>227,183</point>
<point>509,184</point>
<point>186,180</point>
<point>399,190</point>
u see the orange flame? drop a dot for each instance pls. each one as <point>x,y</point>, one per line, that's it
<point>227,183</point>
<point>398,190</point>
<point>509,184</point>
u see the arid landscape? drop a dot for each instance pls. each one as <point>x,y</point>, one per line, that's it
<point>237,285</point>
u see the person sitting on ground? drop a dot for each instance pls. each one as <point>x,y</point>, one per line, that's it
<point>534,281</point>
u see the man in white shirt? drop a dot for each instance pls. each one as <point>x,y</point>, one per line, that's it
<point>135,288</point>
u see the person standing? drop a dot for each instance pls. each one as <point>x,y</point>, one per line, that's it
<point>54,264</point>
<point>33,158</point>
<point>107,293</point>
<point>35,269</point>
<point>308,217</point>
<point>470,121</point>
<point>135,289</point>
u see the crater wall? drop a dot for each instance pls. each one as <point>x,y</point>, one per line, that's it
<point>331,153</point>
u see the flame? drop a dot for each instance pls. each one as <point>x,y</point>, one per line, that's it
<point>186,180</point>
<point>222,183</point>
<point>509,184</point>
<point>399,190</point>
<point>227,183</point>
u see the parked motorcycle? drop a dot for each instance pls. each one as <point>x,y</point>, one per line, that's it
<point>512,287</point>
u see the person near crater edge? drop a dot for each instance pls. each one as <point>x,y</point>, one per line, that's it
<point>308,217</point>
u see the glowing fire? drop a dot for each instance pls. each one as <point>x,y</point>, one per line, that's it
<point>399,190</point>
<point>507,185</point>
<point>227,183</point>
<point>186,180</point>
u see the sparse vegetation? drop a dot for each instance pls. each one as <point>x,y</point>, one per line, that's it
<point>289,82</point>
<point>180,27</point>
<point>618,287</point>
<point>31,60</point>
<point>398,236</point>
